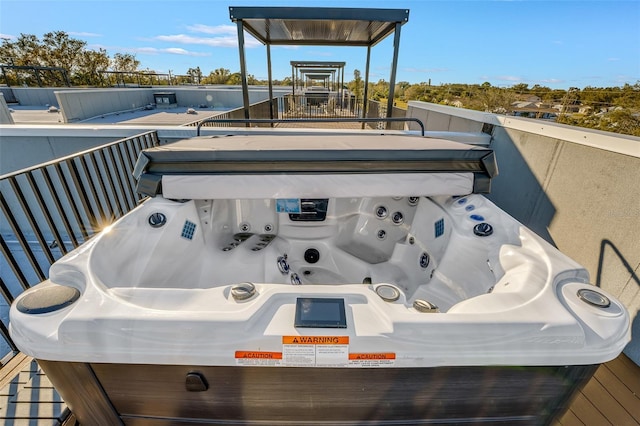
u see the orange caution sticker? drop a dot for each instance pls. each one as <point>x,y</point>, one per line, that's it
<point>258,355</point>
<point>371,356</point>
<point>258,358</point>
<point>372,360</point>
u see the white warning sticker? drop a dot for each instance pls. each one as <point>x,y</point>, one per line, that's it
<point>315,351</point>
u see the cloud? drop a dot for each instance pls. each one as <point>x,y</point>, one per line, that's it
<point>224,41</point>
<point>613,59</point>
<point>156,51</point>
<point>511,78</point>
<point>7,37</point>
<point>218,29</point>
<point>551,80</point>
<point>425,70</point>
<point>179,51</point>
<point>225,36</point>
<point>84,34</point>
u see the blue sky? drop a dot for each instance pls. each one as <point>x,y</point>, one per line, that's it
<point>558,44</point>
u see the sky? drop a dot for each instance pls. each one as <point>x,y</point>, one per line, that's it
<point>557,44</point>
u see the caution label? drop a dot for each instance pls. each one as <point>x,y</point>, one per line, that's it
<point>372,360</point>
<point>258,358</point>
<point>315,351</point>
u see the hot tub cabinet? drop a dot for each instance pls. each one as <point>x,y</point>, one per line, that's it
<point>306,279</point>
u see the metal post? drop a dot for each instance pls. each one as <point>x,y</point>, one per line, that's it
<point>366,85</point>
<point>342,86</point>
<point>243,69</point>
<point>270,82</point>
<point>394,65</point>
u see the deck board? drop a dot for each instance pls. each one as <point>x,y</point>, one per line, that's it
<point>27,397</point>
<point>619,390</point>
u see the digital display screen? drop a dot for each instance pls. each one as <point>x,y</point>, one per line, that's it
<point>320,313</point>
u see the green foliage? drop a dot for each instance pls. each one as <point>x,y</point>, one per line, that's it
<point>89,64</point>
<point>218,76</point>
<point>619,120</point>
<point>195,74</point>
<point>55,50</point>
<point>125,62</point>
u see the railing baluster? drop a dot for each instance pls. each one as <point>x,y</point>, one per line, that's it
<point>45,211</point>
<point>121,175</point>
<point>5,333</point>
<point>117,205</point>
<point>21,238</point>
<point>99,216</point>
<point>13,264</point>
<point>72,202</point>
<point>139,146</point>
<point>84,200</point>
<point>108,213</point>
<point>130,162</point>
<point>5,292</point>
<point>33,223</point>
<point>127,168</point>
<point>61,213</point>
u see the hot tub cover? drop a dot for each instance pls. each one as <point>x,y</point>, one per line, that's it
<point>286,156</point>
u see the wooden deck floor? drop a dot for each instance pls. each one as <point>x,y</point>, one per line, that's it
<point>611,397</point>
<point>27,397</point>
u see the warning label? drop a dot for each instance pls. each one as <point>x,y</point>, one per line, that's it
<point>315,340</point>
<point>372,360</point>
<point>258,358</point>
<point>315,351</point>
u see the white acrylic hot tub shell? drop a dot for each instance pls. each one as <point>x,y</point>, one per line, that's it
<point>148,321</point>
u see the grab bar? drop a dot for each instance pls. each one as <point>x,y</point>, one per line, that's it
<point>308,120</point>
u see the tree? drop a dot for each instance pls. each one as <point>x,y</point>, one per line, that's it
<point>90,63</point>
<point>196,75</point>
<point>25,51</point>
<point>56,50</point>
<point>379,90</point>
<point>520,88</point>
<point>417,92</point>
<point>494,99</point>
<point>356,85</point>
<point>59,50</point>
<point>218,76</point>
<point>125,62</point>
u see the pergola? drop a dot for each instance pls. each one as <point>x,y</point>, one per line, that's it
<point>286,26</point>
<point>318,70</point>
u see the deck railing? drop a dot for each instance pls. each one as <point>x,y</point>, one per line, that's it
<point>319,105</point>
<point>256,110</point>
<point>378,110</point>
<point>50,209</point>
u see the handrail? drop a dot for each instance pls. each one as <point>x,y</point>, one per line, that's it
<point>309,120</point>
<point>74,155</point>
